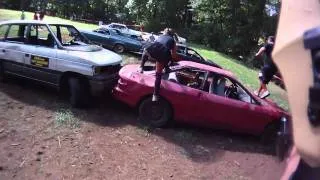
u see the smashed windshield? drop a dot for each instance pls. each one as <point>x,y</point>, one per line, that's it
<point>69,35</point>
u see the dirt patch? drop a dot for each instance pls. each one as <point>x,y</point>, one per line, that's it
<point>42,137</point>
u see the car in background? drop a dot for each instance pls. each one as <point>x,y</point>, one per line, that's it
<point>201,95</point>
<point>57,55</point>
<point>179,39</point>
<point>188,54</point>
<point>150,37</point>
<point>122,28</point>
<point>115,40</point>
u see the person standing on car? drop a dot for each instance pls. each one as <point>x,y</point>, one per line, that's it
<point>162,51</point>
<point>269,69</point>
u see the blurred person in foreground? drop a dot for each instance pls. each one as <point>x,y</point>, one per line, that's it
<point>297,55</point>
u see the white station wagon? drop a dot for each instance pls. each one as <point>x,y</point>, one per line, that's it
<point>59,56</point>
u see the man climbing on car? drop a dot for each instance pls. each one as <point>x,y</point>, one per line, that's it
<point>269,69</point>
<point>162,52</point>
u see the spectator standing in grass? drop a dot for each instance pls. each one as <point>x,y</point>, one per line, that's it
<point>142,28</point>
<point>35,16</point>
<point>41,15</point>
<point>23,16</point>
<point>269,69</point>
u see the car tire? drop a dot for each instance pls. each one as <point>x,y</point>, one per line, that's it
<point>155,114</point>
<point>2,75</point>
<point>79,92</point>
<point>270,133</point>
<point>119,48</point>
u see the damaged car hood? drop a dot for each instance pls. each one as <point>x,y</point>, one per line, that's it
<point>94,54</point>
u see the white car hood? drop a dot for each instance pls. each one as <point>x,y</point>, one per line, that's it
<point>102,57</point>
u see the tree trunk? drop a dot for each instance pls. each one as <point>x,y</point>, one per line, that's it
<point>234,9</point>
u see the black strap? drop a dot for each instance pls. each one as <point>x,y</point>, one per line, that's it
<point>314,106</point>
<point>312,42</point>
<point>305,172</point>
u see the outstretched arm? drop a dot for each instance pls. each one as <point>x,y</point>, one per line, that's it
<point>261,51</point>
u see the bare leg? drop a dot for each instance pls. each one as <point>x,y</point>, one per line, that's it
<point>263,87</point>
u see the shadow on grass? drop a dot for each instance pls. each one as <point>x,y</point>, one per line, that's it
<point>197,144</point>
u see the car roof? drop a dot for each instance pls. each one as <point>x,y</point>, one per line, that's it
<point>107,28</point>
<point>30,22</point>
<point>207,68</point>
<point>117,24</point>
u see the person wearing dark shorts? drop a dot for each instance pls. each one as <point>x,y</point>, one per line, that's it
<point>269,69</point>
<point>162,51</point>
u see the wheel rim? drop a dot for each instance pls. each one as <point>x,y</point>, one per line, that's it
<point>154,112</point>
<point>119,49</point>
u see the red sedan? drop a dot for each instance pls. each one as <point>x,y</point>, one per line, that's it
<point>198,94</point>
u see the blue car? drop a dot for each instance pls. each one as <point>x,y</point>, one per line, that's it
<point>115,40</point>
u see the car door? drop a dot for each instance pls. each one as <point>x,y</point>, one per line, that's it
<point>103,37</point>
<point>184,99</point>
<point>41,60</point>
<point>3,44</point>
<point>131,43</point>
<point>236,114</point>
<point>14,49</point>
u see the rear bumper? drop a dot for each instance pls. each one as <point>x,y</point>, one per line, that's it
<point>103,84</point>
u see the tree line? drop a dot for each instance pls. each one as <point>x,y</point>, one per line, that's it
<point>233,27</point>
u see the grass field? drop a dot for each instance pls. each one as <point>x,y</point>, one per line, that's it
<point>246,75</point>
<point>10,14</point>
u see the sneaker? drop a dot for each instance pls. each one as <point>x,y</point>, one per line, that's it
<point>140,70</point>
<point>155,98</point>
<point>265,94</point>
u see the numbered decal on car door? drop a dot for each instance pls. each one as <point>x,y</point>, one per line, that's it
<point>40,61</point>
